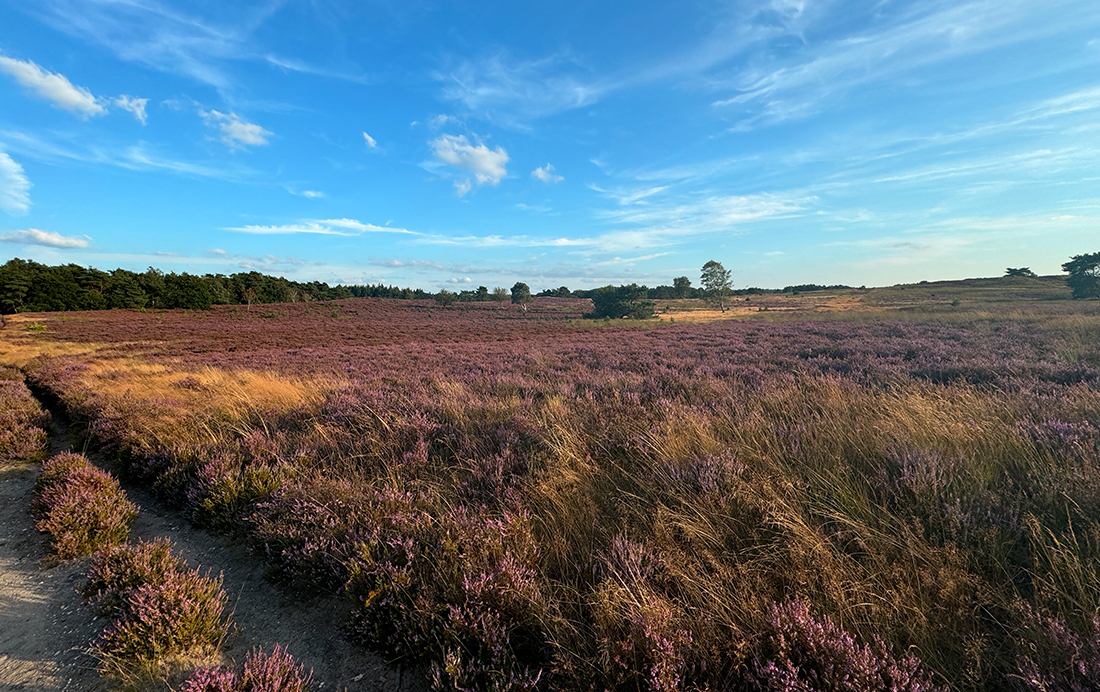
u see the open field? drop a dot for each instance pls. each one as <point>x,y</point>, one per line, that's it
<point>897,487</point>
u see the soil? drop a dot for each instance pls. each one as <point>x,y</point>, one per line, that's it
<point>46,629</point>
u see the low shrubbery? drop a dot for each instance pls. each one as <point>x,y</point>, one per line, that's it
<point>81,506</point>
<point>789,507</point>
<point>262,672</point>
<point>22,439</point>
<point>161,609</point>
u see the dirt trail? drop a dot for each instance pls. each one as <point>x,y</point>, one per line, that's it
<point>45,628</point>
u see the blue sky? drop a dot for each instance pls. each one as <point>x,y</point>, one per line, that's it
<point>446,144</point>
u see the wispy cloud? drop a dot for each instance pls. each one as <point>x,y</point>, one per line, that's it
<point>235,132</point>
<point>371,143</point>
<point>53,87</point>
<point>133,105</point>
<point>546,174</point>
<point>512,92</point>
<point>896,42</point>
<point>15,188</point>
<point>340,227</point>
<point>33,236</point>
<point>487,165</point>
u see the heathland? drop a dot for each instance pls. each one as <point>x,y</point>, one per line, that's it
<point>848,489</point>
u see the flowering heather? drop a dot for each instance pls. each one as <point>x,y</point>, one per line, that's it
<point>1051,656</point>
<point>519,502</point>
<point>22,438</point>
<point>796,652</point>
<point>262,672</point>
<point>160,607</point>
<point>82,507</point>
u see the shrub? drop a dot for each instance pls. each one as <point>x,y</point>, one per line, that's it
<point>22,439</point>
<point>82,507</point>
<point>274,672</point>
<point>161,608</point>
<point>458,590</point>
<point>1051,656</point>
<point>796,652</point>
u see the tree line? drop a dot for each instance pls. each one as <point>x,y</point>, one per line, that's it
<point>27,286</point>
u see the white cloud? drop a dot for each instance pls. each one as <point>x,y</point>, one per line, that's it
<point>487,165</point>
<point>775,89</point>
<point>341,227</point>
<point>313,194</point>
<point>546,175</point>
<point>235,132</point>
<point>510,92</point>
<point>33,236</point>
<point>15,189</point>
<point>134,105</point>
<point>53,87</point>
<point>370,141</point>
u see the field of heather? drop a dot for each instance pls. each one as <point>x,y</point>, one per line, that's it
<point>894,489</point>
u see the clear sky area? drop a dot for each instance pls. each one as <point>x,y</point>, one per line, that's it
<point>456,144</point>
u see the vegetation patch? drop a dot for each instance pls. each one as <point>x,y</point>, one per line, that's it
<point>277,671</point>
<point>163,612</point>
<point>81,506</point>
<point>22,439</point>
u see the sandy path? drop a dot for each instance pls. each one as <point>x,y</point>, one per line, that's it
<point>45,628</point>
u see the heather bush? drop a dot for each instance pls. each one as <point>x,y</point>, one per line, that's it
<point>796,652</point>
<point>82,507</point>
<point>22,438</point>
<point>274,672</point>
<point>161,608</point>
<point>1051,657</point>
<point>457,589</point>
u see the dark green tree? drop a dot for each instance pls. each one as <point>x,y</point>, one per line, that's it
<point>682,286</point>
<point>1020,271</point>
<point>123,291</point>
<point>521,295</point>
<point>716,284</point>
<point>15,284</point>
<point>621,301</point>
<point>445,297</point>
<point>186,291</point>
<point>1084,275</point>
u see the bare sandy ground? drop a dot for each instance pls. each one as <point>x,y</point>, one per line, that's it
<point>45,628</point>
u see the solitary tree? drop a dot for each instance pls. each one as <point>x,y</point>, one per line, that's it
<point>521,295</point>
<point>682,286</point>
<point>500,294</point>
<point>1020,271</point>
<point>445,297</point>
<point>716,283</point>
<point>621,301</point>
<point>1084,275</point>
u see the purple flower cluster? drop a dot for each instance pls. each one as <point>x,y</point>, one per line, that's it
<point>82,507</point>
<point>22,438</point>
<point>797,652</point>
<point>277,671</point>
<point>159,606</point>
<point>1050,656</point>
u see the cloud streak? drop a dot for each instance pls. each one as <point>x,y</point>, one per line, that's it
<point>15,188</point>
<point>235,133</point>
<point>337,227</point>
<point>33,236</point>
<point>53,87</point>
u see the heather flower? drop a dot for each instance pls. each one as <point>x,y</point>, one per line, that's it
<point>82,507</point>
<point>161,608</point>
<point>796,652</point>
